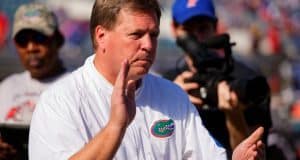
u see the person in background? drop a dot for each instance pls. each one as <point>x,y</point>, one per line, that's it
<point>111,108</point>
<point>37,39</point>
<point>232,121</point>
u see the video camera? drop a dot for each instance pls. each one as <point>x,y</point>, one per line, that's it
<point>213,68</point>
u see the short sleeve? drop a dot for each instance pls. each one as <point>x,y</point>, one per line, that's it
<point>53,134</point>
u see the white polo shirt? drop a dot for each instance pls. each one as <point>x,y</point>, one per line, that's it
<point>166,126</point>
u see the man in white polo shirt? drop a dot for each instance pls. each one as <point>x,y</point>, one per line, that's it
<point>110,108</point>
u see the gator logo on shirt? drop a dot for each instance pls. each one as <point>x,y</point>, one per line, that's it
<point>163,128</point>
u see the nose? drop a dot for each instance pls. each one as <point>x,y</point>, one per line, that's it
<point>148,43</point>
<point>31,46</point>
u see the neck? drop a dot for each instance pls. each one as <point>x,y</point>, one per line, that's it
<point>60,69</point>
<point>55,71</point>
<point>107,72</point>
<point>105,69</point>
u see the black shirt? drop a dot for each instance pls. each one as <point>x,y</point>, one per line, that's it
<point>214,120</point>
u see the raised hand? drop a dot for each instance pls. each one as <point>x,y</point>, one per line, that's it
<point>251,148</point>
<point>123,106</point>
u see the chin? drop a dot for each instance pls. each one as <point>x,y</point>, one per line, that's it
<point>37,76</point>
<point>138,72</point>
<point>38,73</point>
<point>138,75</point>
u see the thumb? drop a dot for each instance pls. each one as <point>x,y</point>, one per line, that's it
<point>255,136</point>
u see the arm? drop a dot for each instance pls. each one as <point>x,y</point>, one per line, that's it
<point>235,121</point>
<point>237,127</point>
<point>103,146</point>
<point>106,143</point>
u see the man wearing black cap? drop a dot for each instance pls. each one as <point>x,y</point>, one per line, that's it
<point>37,40</point>
<point>233,120</point>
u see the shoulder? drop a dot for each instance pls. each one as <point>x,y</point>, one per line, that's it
<point>166,96</point>
<point>162,82</point>
<point>243,72</point>
<point>165,88</point>
<point>241,67</point>
<point>13,80</point>
<point>15,77</point>
<point>64,90</point>
<point>61,101</point>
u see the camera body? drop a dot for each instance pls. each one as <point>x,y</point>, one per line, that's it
<point>213,68</point>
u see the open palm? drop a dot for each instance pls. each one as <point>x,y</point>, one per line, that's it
<point>123,107</point>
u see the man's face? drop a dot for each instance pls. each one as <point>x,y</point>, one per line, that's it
<point>38,53</point>
<point>202,28</point>
<point>134,37</point>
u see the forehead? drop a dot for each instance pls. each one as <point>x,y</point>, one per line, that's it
<point>137,19</point>
<point>29,32</point>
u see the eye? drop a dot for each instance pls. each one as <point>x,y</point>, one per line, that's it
<point>39,38</point>
<point>136,35</point>
<point>154,35</point>
<point>22,40</point>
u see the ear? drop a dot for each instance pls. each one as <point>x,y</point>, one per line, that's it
<point>173,28</point>
<point>177,29</point>
<point>100,33</point>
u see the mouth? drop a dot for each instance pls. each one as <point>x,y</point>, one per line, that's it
<point>34,62</point>
<point>142,62</point>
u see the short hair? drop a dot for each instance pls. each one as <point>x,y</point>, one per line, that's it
<point>105,12</point>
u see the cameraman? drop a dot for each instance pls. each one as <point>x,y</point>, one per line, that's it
<point>232,121</point>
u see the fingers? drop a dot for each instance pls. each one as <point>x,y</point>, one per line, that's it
<point>257,151</point>
<point>182,79</point>
<point>255,136</point>
<point>224,90</point>
<point>261,151</point>
<point>224,95</point>
<point>195,100</point>
<point>184,76</point>
<point>253,152</point>
<point>233,99</point>
<point>123,98</point>
<point>251,148</point>
<point>120,83</point>
<point>227,99</point>
<point>189,86</point>
<point>187,75</point>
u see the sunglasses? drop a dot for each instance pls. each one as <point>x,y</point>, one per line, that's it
<point>24,37</point>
